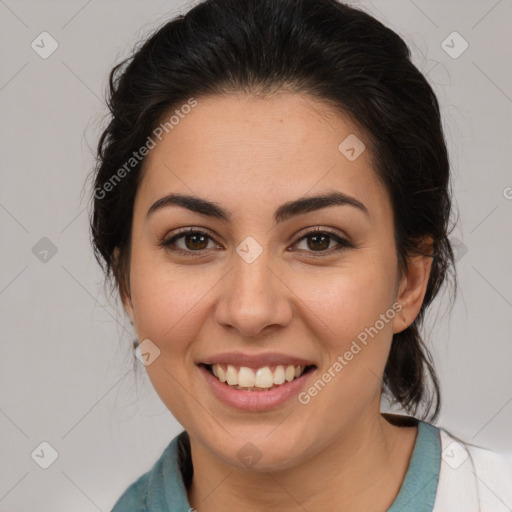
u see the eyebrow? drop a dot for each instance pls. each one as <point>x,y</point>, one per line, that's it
<point>283,213</point>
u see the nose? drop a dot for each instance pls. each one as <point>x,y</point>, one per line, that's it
<point>254,298</point>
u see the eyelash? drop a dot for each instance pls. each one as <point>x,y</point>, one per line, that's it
<point>180,233</point>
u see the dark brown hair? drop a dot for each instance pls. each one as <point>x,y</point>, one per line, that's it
<point>323,48</point>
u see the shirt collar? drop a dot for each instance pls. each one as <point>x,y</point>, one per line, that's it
<point>167,492</point>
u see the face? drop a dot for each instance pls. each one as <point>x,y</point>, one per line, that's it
<point>261,291</point>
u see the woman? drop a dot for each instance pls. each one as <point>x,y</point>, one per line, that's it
<point>272,198</point>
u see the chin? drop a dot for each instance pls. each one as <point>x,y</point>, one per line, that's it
<point>260,450</point>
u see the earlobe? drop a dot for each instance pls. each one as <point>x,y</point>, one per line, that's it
<point>400,321</point>
<point>413,286</point>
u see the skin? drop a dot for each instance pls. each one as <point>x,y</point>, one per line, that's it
<point>250,155</point>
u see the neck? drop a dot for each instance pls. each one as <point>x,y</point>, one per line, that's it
<point>361,470</point>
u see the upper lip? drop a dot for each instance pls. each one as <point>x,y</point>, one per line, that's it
<point>256,360</point>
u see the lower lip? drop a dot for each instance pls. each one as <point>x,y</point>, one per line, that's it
<point>255,400</point>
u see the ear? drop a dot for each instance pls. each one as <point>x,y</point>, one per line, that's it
<point>123,292</point>
<point>413,285</point>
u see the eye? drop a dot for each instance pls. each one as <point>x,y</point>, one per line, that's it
<point>319,239</point>
<point>193,240</point>
<point>196,241</point>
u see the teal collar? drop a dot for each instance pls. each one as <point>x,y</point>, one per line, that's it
<point>162,489</point>
<point>418,490</point>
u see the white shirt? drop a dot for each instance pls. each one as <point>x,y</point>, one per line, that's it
<point>472,478</point>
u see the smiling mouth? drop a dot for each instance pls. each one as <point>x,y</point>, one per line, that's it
<point>256,379</point>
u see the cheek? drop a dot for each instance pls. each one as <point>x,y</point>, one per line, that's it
<point>166,299</point>
<point>350,298</point>
<point>355,337</point>
<point>166,306</point>
<point>169,308</point>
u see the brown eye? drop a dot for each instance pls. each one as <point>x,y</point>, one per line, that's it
<point>187,241</point>
<point>319,241</point>
<point>195,241</point>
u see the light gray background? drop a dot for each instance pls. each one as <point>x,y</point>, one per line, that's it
<point>67,373</point>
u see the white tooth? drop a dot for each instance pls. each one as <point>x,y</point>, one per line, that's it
<point>221,373</point>
<point>290,373</point>
<point>298,371</point>
<point>279,377</point>
<point>215,370</point>
<point>245,377</point>
<point>264,378</point>
<point>231,375</point>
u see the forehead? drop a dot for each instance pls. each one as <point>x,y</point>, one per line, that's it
<point>245,149</point>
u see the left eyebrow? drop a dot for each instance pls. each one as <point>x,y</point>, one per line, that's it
<point>283,213</point>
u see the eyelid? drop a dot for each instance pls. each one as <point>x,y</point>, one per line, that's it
<point>343,241</point>
<point>167,241</point>
<point>319,229</point>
